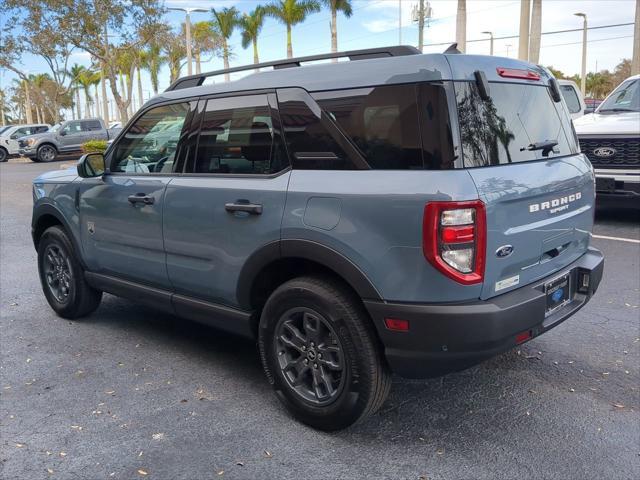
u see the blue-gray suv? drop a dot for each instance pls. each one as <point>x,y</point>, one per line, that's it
<point>396,212</point>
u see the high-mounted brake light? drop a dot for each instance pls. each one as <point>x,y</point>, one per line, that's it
<point>454,239</point>
<point>517,73</point>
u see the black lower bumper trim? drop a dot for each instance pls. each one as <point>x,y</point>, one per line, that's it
<point>450,337</point>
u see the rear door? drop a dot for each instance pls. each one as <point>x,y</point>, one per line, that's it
<point>229,201</point>
<point>519,149</point>
<point>93,130</point>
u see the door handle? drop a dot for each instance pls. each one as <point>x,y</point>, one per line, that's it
<point>255,209</point>
<point>141,198</point>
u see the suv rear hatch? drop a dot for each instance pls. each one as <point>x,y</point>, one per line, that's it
<point>519,147</point>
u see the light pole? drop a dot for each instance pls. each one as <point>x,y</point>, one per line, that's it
<point>490,41</point>
<point>583,76</point>
<point>188,11</point>
<point>508,45</point>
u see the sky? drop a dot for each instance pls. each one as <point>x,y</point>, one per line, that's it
<point>375,23</point>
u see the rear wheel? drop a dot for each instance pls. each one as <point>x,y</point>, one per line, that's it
<point>47,153</point>
<point>3,155</point>
<point>62,276</point>
<point>320,352</point>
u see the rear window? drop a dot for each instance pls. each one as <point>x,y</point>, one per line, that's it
<point>506,128</point>
<point>571,97</point>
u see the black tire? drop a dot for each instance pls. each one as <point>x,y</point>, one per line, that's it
<point>4,155</point>
<point>46,153</point>
<point>62,276</point>
<point>342,397</point>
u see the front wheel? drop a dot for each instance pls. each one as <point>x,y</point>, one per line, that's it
<point>62,276</point>
<point>321,354</point>
<point>47,153</point>
<point>3,155</point>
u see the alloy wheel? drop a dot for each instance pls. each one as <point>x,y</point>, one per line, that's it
<point>57,272</point>
<point>310,355</point>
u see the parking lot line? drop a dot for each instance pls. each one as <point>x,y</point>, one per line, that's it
<point>618,239</point>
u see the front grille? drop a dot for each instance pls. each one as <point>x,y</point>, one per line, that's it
<point>627,151</point>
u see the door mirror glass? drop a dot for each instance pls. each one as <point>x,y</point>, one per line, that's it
<point>91,165</point>
<point>62,133</point>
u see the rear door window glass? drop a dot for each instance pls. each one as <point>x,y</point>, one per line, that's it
<point>238,136</point>
<point>506,128</point>
<point>91,125</point>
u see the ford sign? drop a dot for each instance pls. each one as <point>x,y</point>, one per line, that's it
<point>604,152</point>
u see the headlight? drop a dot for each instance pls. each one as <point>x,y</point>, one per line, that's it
<point>31,141</point>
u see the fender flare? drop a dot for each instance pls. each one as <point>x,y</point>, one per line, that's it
<point>49,209</point>
<point>308,250</point>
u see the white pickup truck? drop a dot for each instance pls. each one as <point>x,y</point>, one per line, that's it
<point>610,137</point>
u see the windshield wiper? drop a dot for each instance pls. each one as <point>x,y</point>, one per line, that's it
<point>546,147</point>
<point>617,110</point>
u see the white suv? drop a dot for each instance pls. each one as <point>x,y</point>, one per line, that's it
<point>9,137</point>
<point>610,137</point>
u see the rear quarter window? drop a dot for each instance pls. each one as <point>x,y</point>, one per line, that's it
<point>502,129</point>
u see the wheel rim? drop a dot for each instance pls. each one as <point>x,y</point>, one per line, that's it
<point>57,273</point>
<point>3,155</point>
<point>310,355</point>
<point>47,154</point>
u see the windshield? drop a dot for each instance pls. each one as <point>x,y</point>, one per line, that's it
<point>625,98</point>
<point>3,129</point>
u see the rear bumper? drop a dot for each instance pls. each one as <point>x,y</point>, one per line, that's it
<point>444,338</point>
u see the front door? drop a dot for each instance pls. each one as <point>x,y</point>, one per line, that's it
<point>121,212</point>
<point>71,136</point>
<point>230,201</point>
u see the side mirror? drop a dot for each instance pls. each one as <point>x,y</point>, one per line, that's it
<point>62,133</point>
<point>91,165</point>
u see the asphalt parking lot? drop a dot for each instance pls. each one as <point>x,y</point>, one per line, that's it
<point>132,393</point>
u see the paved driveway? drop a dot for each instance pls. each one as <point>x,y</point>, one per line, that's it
<point>133,393</point>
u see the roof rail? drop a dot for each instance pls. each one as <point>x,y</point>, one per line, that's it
<point>393,51</point>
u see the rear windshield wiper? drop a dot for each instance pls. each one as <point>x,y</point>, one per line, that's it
<point>546,147</point>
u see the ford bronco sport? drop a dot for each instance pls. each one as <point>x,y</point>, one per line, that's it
<point>397,212</point>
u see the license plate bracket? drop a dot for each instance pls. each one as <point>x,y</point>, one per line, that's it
<point>558,293</point>
<point>605,184</point>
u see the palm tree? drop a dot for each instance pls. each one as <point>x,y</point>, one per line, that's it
<point>75,72</point>
<point>86,80</point>
<point>204,39</point>
<point>251,25</point>
<point>334,5</point>
<point>225,21</point>
<point>290,13</point>
<point>175,50</point>
<point>152,61</point>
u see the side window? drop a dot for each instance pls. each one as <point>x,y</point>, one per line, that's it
<point>570,96</point>
<point>150,144</point>
<point>381,121</point>
<point>42,129</point>
<point>313,138</point>
<point>72,127</point>
<point>237,135</point>
<point>21,132</point>
<point>91,125</point>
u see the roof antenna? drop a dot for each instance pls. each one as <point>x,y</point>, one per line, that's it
<point>453,48</point>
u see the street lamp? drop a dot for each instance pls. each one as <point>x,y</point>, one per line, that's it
<point>490,41</point>
<point>188,11</point>
<point>583,76</point>
<point>508,45</point>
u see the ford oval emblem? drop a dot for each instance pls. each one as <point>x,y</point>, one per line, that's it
<point>504,251</point>
<point>604,152</point>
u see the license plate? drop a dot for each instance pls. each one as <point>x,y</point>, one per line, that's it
<point>605,184</point>
<point>558,293</point>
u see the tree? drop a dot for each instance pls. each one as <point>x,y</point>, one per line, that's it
<point>75,72</point>
<point>152,60</point>
<point>175,51</point>
<point>290,13</point>
<point>225,21</point>
<point>204,39</point>
<point>337,5</point>
<point>251,25</point>
<point>86,80</point>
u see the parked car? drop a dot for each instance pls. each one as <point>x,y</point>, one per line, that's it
<point>573,98</point>
<point>399,212</point>
<point>10,135</point>
<point>66,137</point>
<point>610,138</point>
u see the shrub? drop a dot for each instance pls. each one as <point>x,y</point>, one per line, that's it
<point>93,146</point>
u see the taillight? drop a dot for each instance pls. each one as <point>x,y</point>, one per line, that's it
<point>517,73</point>
<point>454,239</point>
